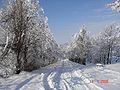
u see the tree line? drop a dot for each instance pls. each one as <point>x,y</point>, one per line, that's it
<point>103,48</point>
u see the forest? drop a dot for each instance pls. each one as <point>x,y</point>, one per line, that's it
<point>27,44</point>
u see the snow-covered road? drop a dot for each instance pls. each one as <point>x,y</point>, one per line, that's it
<point>63,75</point>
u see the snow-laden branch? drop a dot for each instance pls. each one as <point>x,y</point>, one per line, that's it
<point>115,5</point>
<point>7,40</point>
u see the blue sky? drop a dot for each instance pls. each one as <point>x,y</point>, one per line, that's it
<point>67,16</point>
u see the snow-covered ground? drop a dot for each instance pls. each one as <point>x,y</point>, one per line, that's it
<point>65,75</point>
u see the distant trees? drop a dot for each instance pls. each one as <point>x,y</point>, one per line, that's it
<point>106,44</point>
<point>103,48</point>
<point>27,43</point>
<point>79,48</point>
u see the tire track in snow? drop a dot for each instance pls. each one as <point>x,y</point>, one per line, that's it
<point>45,81</point>
<point>86,84</point>
<point>23,83</point>
<point>50,80</point>
<point>66,85</point>
<point>54,79</point>
<point>73,74</point>
<point>31,84</point>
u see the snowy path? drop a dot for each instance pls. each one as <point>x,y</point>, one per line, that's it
<point>64,75</point>
<point>78,78</point>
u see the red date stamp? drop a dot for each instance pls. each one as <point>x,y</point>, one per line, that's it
<point>99,81</point>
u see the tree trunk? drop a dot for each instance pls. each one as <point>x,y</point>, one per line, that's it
<point>18,66</point>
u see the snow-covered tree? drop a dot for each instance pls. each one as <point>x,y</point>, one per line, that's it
<point>16,20</point>
<point>79,48</point>
<point>28,40</point>
<point>115,5</point>
<point>105,45</point>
